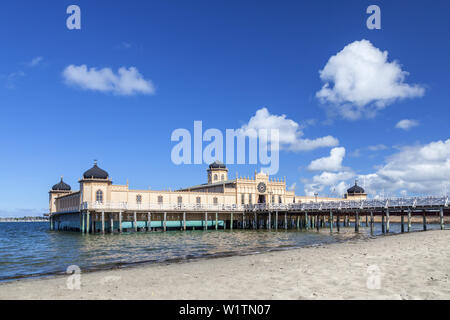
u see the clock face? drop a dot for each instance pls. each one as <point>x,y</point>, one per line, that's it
<point>262,187</point>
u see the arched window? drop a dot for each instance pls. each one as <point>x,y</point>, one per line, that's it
<point>199,200</point>
<point>242,198</point>
<point>223,177</point>
<point>99,196</point>
<point>273,199</point>
<point>138,199</point>
<point>279,199</point>
<point>215,200</point>
<point>215,177</point>
<point>180,200</point>
<point>160,199</point>
<point>250,198</point>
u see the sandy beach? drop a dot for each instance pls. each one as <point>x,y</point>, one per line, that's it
<point>406,266</point>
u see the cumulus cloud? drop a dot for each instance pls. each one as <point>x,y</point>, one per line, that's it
<point>414,170</point>
<point>125,82</point>
<point>359,81</point>
<point>407,124</point>
<point>290,132</point>
<point>331,163</point>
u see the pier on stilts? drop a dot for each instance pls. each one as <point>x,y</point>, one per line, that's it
<point>332,215</point>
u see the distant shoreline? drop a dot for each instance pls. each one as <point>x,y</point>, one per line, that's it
<point>9,221</point>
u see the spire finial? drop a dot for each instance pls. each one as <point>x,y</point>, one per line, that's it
<point>356,182</point>
<point>95,162</point>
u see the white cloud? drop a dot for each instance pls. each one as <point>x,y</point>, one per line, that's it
<point>331,163</point>
<point>35,62</point>
<point>407,124</point>
<point>377,147</point>
<point>359,81</point>
<point>293,186</point>
<point>290,132</point>
<point>414,170</point>
<point>125,82</point>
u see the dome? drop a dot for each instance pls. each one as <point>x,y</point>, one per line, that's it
<point>95,173</point>
<point>355,189</point>
<point>61,186</point>
<point>217,165</point>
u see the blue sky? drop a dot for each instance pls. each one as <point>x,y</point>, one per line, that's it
<point>218,62</point>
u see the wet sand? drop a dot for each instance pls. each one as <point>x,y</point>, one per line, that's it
<point>406,266</point>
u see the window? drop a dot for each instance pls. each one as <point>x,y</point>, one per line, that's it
<point>180,200</point>
<point>215,200</point>
<point>294,199</point>
<point>250,199</point>
<point>99,196</point>
<point>273,199</point>
<point>223,177</point>
<point>242,198</point>
<point>199,200</point>
<point>279,199</point>
<point>160,199</point>
<point>215,177</point>
<point>138,199</point>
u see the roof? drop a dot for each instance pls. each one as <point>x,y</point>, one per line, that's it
<point>355,189</point>
<point>217,165</point>
<point>95,173</point>
<point>61,186</point>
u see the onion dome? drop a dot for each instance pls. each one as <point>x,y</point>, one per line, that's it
<point>61,186</point>
<point>217,165</point>
<point>355,189</point>
<point>95,173</point>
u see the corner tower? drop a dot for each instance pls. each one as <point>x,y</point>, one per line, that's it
<point>217,172</point>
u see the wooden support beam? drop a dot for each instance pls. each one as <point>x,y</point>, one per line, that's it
<point>135,222</point>
<point>165,222</point>
<point>402,222</point>
<point>357,221</point>
<point>371,222</point>
<point>285,221</point>
<point>338,222</point>
<point>330,222</point>
<point>103,222</point>
<point>409,219</point>
<point>307,220</point>
<point>206,221</point>
<point>87,222</point>
<point>441,218</point>
<point>269,224</point>
<point>184,221</point>
<point>298,222</point>
<point>149,221</point>
<point>255,221</point>
<point>231,221</point>
<point>383,229</point>
<point>111,223</point>
<point>120,221</point>
<point>388,221</point>
<point>82,223</point>
<point>367,221</point>
<point>424,214</point>
<point>217,221</point>
<point>276,220</point>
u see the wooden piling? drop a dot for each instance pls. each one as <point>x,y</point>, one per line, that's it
<point>269,224</point>
<point>255,221</point>
<point>111,223</point>
<point>206,221</point>
<point>103,222</point>
<point>285,221</point>
<point>82,223</point>
<point>231,221</point>
<point>357,222</point>
<point>184,221</point>
<point>276,220</point>
<point>383,230</point>
<point>317,222</point>
<point>87,222</point>
<point>298,222</point>
<point>402,222</point>
<point>409,219</point>
<point>331,221</point>
<point>165,222</point>
<point>424,214</point>
<point>441,218</point>
<point>217,221</point>
<point>388,221</point>
<point>338,222</point>
<point>367,221</point>
<point>120,221</point>
<point>371,222</point>
<point>135,222</point>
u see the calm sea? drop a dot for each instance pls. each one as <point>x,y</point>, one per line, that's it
<point>31,250</point>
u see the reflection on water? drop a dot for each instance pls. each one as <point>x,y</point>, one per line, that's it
<point>29,249</point>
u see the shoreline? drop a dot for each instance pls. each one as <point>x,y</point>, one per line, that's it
<point>407,266</point>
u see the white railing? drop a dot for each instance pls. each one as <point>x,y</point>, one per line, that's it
<point>160,207</point>
<point>393,203</point>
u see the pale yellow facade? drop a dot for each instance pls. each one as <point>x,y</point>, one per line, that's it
<point>219,190</point>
